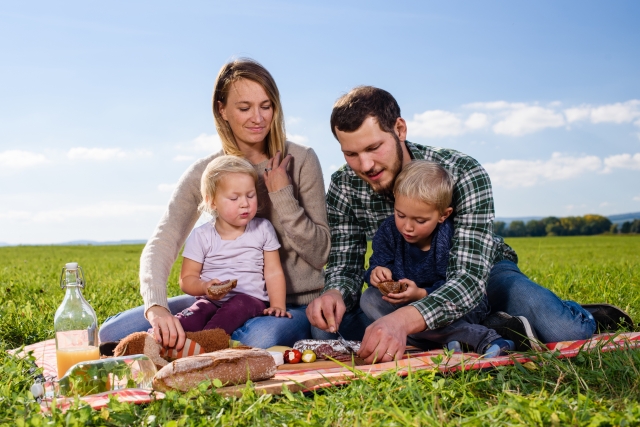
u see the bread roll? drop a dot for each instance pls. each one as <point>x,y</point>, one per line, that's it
<point>230,366</point>
<point>392,287</point>
<point>221,289</point>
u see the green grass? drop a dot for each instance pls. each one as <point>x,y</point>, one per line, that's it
<point>592,389</point>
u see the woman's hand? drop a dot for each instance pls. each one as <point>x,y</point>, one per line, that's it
<point>380,274</point>
<point>275,175</point>
<point>277,312</point>
<point>413,293</point>
<point>167,329</point>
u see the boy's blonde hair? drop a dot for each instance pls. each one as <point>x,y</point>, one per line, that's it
<point>215,173</point>
<point>246,68</point>
<point>426,181</point>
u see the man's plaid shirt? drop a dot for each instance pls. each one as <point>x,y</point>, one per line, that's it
<point>355,212</point>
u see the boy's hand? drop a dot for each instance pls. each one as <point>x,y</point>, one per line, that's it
<point>277,311</point>
<point>413,293</point>
<point>380,274</point>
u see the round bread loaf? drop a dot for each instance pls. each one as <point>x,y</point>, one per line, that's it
<point>231,366</point>
<point>392,287</point>
<point>221,289</point>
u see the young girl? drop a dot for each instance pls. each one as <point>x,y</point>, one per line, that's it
<point>235,245</point>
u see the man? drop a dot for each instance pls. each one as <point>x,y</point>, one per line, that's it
<point>372,136</point>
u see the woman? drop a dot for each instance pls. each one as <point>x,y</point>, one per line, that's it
<point>250,123</point>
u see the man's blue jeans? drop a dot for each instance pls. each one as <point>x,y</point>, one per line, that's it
<point>552,319</point>
<point>262,332</point>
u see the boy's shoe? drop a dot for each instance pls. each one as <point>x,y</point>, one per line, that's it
<point>499,347</point>
<point>514,328</point>
<point>609,318</point>
<point>455,346</point>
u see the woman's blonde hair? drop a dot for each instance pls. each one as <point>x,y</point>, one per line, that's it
<point>215,173</point>
<point>246,68</point>
<point>427,182</point>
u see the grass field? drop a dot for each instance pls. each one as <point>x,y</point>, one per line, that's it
<point>592,389</point>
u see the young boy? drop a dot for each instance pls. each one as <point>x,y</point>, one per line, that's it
<point>412,247</point>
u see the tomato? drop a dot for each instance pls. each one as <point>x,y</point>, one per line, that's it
<point>292,356</point>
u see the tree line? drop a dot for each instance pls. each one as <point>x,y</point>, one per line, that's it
<point>569,226</point>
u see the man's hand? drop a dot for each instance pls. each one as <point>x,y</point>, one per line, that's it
<point>413,293</point>
<point>167,329</point>
<point>386,338</point>
<point>380,274</point>
<point>326,311</point>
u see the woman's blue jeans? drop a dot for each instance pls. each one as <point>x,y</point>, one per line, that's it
<point>262,332</point>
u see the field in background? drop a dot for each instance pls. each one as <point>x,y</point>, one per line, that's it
<point>596,389</point>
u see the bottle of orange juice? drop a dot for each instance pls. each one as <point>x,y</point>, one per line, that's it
<point>75,323</point>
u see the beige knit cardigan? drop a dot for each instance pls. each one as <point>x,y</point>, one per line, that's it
<point>297,212</point>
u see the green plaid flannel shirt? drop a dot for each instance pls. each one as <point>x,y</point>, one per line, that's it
<point>355,212</point>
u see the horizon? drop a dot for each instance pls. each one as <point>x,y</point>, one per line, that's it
<point>107,105</point>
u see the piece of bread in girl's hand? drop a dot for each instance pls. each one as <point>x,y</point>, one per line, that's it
<point>219,290</point>
<point>392,287</point>
<point>230,366</point>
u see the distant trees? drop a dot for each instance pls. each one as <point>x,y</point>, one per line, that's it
<point>630,227</point>
<point>568,226</point>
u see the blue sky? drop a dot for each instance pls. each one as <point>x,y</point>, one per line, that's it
<point>105,105</point>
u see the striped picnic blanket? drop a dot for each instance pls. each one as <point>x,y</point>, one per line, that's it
<point>297,378</point>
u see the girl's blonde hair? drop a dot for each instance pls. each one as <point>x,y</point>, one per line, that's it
<point>215,173</point>
<point>246,68</point>
<point>427,182</point>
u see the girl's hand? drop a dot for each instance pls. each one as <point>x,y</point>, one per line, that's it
<point>276,176</point>
<point>413,293</point>
<point>277,311</point>
<point>380,274</point>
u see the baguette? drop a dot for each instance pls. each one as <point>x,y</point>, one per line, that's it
<point>231,366</point>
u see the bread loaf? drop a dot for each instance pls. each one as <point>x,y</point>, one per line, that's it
<point>221,289</point>
<point>392,287</point>
<point>230,366</point>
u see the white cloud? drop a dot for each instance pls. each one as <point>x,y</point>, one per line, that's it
<point>620,112</point>
<point>604,204</point>
<point>291,120</point>
<point>101,210</point>
<point>525,173</point>
<point>622,161</point>
<point>18,159</point>
<point>203,142</point>
<point>167,188</point>
<point>477,121</point>
<point>521,121</point>
<point>101,154</point>
<point>435,123</point>
<point>300,139</point>
<point>637,198</point>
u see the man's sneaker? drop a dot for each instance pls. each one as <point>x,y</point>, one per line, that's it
<point>499,347</point>
<point>609,318</point>
<point>514,328</point>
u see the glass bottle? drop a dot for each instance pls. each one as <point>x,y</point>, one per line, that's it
<point>75,323</point>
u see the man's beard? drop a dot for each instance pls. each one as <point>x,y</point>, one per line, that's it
<point>396,166</point>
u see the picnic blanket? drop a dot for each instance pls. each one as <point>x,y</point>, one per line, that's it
<point>298,378</point>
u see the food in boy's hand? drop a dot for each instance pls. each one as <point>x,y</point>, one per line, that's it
<point>220,289</point>
<point>392,287</point>
<point>292,356</point>
<point>308,356</point>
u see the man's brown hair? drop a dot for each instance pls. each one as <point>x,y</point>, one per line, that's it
<point>353,108</point>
